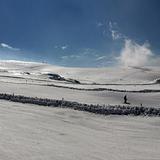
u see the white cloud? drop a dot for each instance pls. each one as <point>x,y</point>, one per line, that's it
<point>101,58</point>
<point>4,45</point>
<point>64,47</point>
<point>71,57</point>
<point>100,24</point>
<point>116,35</point>
<point>65,57</point>
<point>89,52</point>
<point>113,28</point>
<point>75,56</point>
<point>134,54</point>
<point>88,57</point>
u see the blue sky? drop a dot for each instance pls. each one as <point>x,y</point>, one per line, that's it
<point>83,33</point>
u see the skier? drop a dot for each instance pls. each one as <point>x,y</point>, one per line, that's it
<point>125,99</point>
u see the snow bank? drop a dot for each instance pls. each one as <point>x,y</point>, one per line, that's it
<point>98,109</point>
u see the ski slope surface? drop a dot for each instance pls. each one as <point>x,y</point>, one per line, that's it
<point>33,132</point>
<point>85,85</point>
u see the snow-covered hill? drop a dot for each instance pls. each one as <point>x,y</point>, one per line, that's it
<point>114,75</point>
<point>97,85</point>
<point>37,132</point>
<point>29,132</point>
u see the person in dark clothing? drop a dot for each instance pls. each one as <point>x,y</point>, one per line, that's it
<point>125,99</point>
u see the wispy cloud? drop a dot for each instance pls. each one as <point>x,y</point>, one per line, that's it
<point>110,28</point>
<point>113,28</point>
<point>134,54</point>
<point>62,47</point>
<point>131,54</point>
<point>85,53</point>
<point>89,52</point>
<point>100,24</point>
<point>70,57</point>
<point>6,46</point>
<point>101,58</point>
<point>87,57</point>
<point>83,57</point>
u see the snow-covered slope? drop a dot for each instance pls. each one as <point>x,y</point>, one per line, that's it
<point>114,75</point>
<point>97,85</point>
<point>31,132</point>
<point>36,132</point>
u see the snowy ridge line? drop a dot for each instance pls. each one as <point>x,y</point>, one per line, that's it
<point>105,89</point>
<point>25,78</point>
<point>123,84</point>
<point>93,83</point>
<point>97,109</point>
<point>91,89</point>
